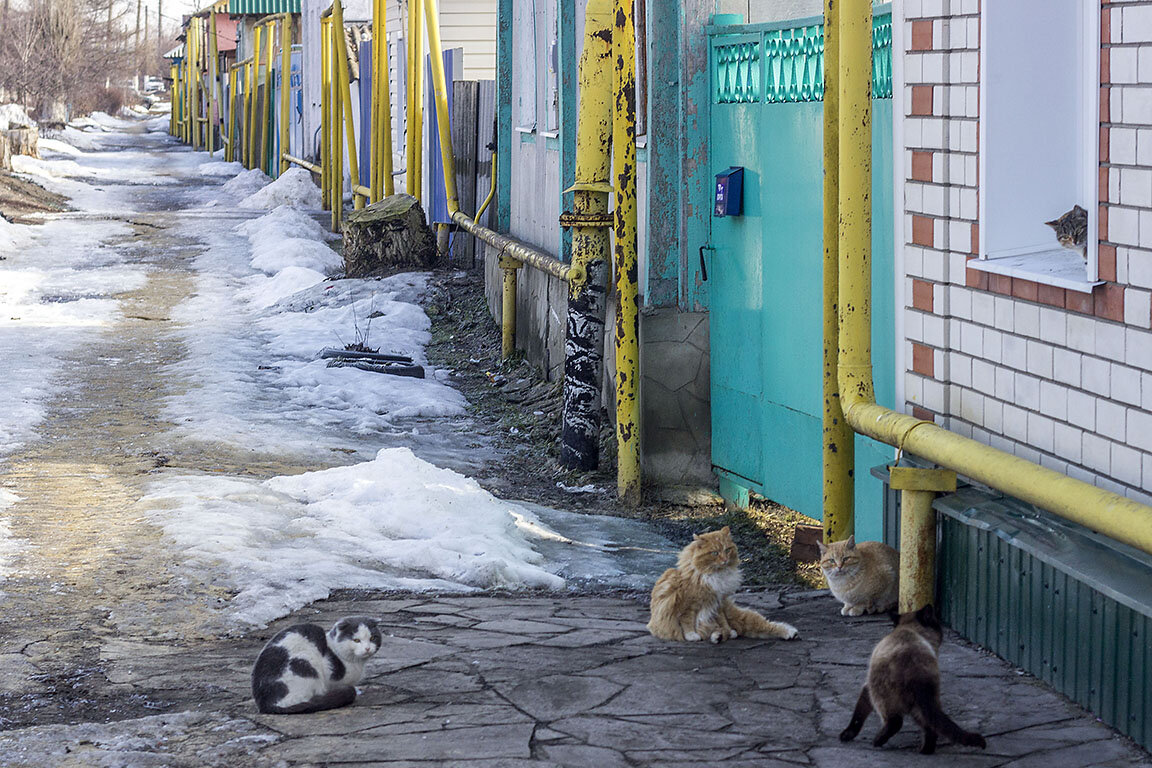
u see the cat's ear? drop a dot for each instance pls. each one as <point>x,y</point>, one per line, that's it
<point>1077,209</point>
<point>852,541</point>
<point>1055,223</point>
<point>821,546</point>
<point>927,616</point>
<point>725,530</point>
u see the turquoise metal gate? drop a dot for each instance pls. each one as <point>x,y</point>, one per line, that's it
<point>765,275</point>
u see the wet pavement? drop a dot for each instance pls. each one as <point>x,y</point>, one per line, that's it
<point>506,680</point>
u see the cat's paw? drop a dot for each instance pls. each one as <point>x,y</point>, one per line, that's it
<point>853,610</point>
<point>844,609</point>
<point>716,636</point>
<point>692,637</point>
<point>733,634</point>
<point>788,632</point>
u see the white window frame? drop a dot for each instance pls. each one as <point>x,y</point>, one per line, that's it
<point>1040,260</point>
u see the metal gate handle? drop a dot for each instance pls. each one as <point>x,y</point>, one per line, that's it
<point>703,267</point>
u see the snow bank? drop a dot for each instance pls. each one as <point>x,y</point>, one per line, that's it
<point>220,168</point>
<point>77,138</point>
<point>263,291</point>
<point>294,188</point>
<point>34,166</point>
<point>14,116</point>
<point>391,523</point>
<point>246,183</point>
<point>56,145</point>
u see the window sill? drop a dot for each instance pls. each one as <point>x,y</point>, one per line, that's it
<point>1061,267</point>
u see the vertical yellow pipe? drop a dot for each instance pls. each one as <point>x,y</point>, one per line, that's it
<point>345,84</point>
<point>382,184</point>
<point>417,129</point>
<point>285,85</point>
<point>218,80</point>
<point>440,93</point>
<point>839,447</point>
<point>325,119</point>
<point>233,104</point>
<point>374,119</point>
<point>335,52</point>
<point>627,291</point>
<point>409,98</point>
<point>266,110</point>
<point>212,64</point>
<point>174,101</point>
<point>193,77</point>
<point>252,132</point>
<point>508,307</point>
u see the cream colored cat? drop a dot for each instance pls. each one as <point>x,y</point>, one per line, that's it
<point>865,576</point>
<point>693,601</point>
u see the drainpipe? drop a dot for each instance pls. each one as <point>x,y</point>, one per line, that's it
<point>590,219</point>
<point>838,446</point>
<point>1105,512</point>
<point>627,291</point>
<point>285,86</point>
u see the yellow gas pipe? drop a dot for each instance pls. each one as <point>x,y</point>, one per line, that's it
<point>250,102</point>
<point>325,119</point>
<point>838,445</point>
<point>381,184</point>
<point>1107,513</point>
<point>285,86</point>
<point>266,107</point>
<point>627,291</point>
<point>335,52</point>
<point>345,84</point>
<point>414,171</point>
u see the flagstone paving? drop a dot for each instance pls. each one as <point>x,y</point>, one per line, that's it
<point>502,681</point>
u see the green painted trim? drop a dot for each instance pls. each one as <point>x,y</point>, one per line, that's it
<point>661,286</point>
<point>527,138</point>
<point>552,143</point>
<point>504,127</point>
<point>568,77</point>
<point>642,154</point>
<point>263,7</point>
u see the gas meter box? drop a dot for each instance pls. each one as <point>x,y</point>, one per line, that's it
<point>729,192</point>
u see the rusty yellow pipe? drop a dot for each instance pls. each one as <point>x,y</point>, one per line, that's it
<point>345,84</point>
<point>627,290</point>
<point>250,102</point>
<point>285,87</point>
<point>1105,512</point>
<point>266,109</point>
<point>382,183</point>
<point>325,119</point>
<point>335,51</point>
<point>839,442</point>
<point>414,170</point>
<point>508,307</point>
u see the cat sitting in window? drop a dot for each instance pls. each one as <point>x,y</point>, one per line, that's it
<point>1072,231</point>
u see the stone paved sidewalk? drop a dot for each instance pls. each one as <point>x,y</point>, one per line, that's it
<point>510,681</point>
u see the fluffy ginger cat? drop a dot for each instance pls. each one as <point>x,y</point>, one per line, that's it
<point>693,601</point>
<point>865,576</point>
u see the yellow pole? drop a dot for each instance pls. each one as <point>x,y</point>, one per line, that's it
<point>285,86</point>
<point>335,51</point>
<point>839,444</point>
<point>382,184</point>
<point>440,93</point>
<point>233,103</point>
<point>218,80</point>
<point>174,101</point>
<point>409,97</point>
<point>508,307</point>
<point>1105,512</point>
<point>325,119</point>
<point>627,291</point>
<point>266,110</point>
<point>345,84</point>
<point>193,83</point>
<point>416,169</point>
<point>251,134</point>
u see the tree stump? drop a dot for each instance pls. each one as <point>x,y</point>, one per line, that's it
<point>5,153</point>
<point>389,236</point>
<point>23,141</point>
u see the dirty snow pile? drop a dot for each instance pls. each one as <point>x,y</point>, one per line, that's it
<point>13,116</point>
<point>396,522</point>
<point>290,248</point>
<point>294,187</point>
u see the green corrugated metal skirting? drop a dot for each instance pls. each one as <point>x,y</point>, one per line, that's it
<point>1052,597</point>
<point>263,7</point>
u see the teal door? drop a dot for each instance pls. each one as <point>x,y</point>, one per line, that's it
<point>765,278</point>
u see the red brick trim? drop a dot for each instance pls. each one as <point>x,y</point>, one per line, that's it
<point>922,101</point>
<point>921,166</point>
<point>1106,262</point>
<point>923,413</point>
<point>922,35</point>
<point>922,231</point>
<point>1025,289</point>
<point>975,278</point>
<point>976,237</point>
<point>1078,302</point>
<point>921,295</point>
<point>1108,302</point>
<point>1050,295</point>
<point>923,359</point>
<point>1001,284</point>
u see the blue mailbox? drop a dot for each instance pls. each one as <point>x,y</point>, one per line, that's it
<point>729,192</point>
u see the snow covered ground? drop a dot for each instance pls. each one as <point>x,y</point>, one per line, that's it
<point>262,308</point>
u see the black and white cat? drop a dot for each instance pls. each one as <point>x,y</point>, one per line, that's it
<point>304,669</point>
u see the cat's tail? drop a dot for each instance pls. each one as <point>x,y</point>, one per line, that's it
<point>340,696</point>
<point>748,623</point>
<point>927,697</point>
